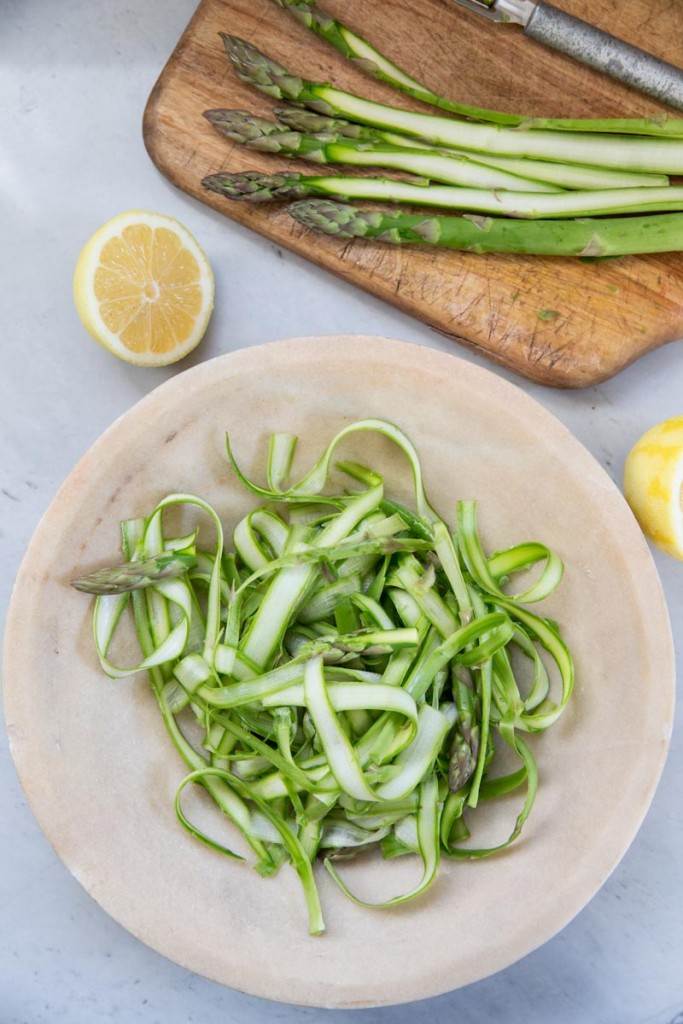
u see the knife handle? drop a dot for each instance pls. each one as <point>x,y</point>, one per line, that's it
<point>602,51</point>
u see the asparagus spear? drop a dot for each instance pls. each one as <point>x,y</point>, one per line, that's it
<point>617,236</point>
<point>564,175</point>
<point>335,149</point>
<point>618,151</point>
<point>364,54</point>
<point>256,132</point>
<point>119,579</point>
<point>255,187</point>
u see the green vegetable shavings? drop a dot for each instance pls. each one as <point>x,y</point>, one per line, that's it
<point>345,675</point>
<point>547,314</point>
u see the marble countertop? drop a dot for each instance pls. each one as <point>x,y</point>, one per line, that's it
<point>74,79</point>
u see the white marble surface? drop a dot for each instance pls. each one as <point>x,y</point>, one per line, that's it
<point>73,81</point>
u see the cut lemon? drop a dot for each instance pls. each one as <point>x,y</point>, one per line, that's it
<point>144,288</point>
<point>653,477</point>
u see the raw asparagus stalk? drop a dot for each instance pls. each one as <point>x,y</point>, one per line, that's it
<point>335,149</point>
<point>119,579</point>
<point>617,151</point>
<point>618,236</point>
<point>564,175</point>
<point>364,55</point>
<point>255,187</point>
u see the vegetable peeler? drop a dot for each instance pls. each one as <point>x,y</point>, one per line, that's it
<point>599,50</point>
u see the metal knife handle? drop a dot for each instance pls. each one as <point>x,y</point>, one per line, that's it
<point>605,53</point>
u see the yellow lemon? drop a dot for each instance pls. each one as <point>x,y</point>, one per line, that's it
<point>144,288</point>
<point>653,476</point>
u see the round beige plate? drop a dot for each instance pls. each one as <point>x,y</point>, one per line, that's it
<point>100,773</point>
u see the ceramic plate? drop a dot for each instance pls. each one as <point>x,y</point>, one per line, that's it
<point>100,773</point>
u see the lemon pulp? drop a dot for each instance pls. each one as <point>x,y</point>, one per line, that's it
<point>144,288</point>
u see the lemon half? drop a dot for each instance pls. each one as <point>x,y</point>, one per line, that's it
<point>653,477</point>
<point>144,288</point>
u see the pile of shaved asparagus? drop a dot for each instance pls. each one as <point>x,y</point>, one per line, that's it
<point>349,675</point>
<point>540,186</point>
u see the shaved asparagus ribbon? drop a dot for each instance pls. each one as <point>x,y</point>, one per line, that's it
<point>344,677</point>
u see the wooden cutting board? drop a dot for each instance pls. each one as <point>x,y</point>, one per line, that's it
<point>558,321</point>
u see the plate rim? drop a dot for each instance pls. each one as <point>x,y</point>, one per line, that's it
<point>301,346</point>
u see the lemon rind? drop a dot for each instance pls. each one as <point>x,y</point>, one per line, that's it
<point>88,306</point>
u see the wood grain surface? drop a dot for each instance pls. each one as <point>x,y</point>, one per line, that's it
<point>558,321</point>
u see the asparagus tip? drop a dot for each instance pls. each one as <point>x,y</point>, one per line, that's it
<point>255,186</point>
<point>249,129</point>
<point>257,69</point>
<point>332,218</point>
<point>219,116</point>
<point>120,579</point>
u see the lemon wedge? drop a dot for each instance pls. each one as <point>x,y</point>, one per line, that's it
<point>653,477</point>
<point>144,288</point>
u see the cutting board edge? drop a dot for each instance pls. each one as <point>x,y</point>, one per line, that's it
<point>604,367</point>
<point>549,376</point>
